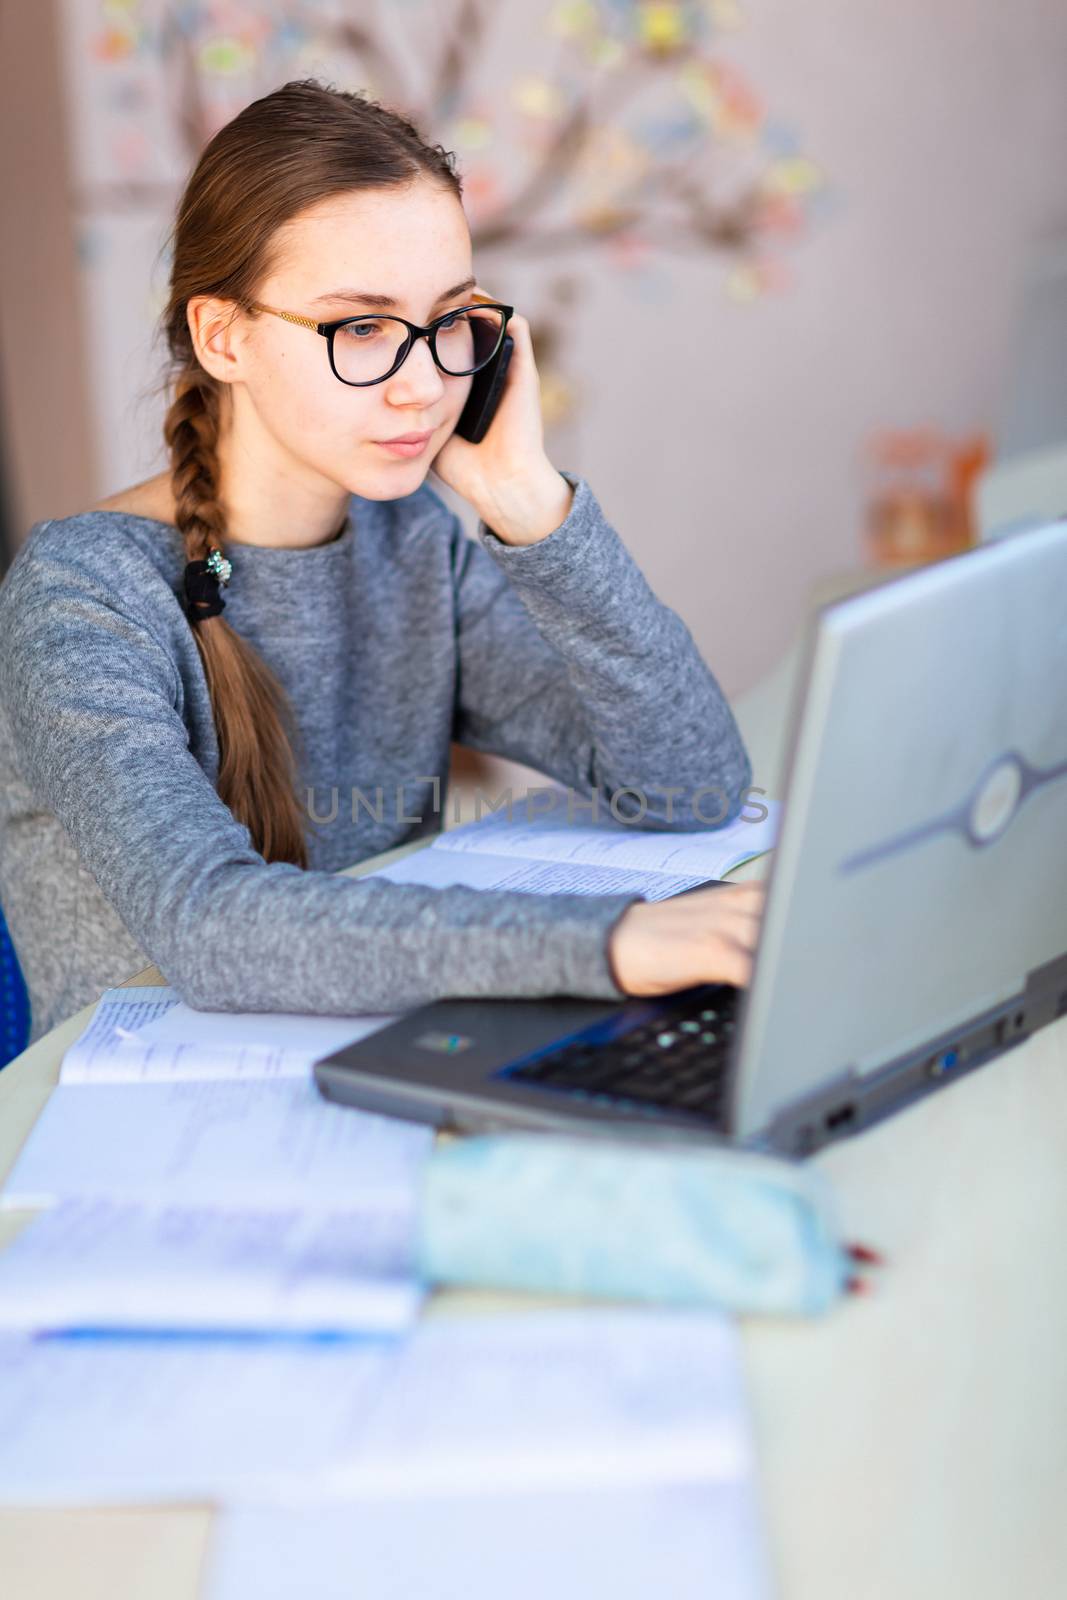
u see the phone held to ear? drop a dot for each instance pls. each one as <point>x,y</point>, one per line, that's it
<point>487,386</point>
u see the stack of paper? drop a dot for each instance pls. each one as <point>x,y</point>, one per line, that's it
<point>688,1541</point>
<point>571,1453</point>
<point>481,1404</point>
<point>122,1266</point>
<point>201,1182</point>
<point>579,1442</point>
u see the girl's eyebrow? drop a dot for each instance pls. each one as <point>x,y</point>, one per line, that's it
<point>383,301</point>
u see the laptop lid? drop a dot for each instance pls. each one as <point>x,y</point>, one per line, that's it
<point>916,914</point>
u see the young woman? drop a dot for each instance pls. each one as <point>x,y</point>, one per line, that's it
<point>190,670</point>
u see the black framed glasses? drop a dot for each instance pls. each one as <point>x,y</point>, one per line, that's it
<point>369,348</point>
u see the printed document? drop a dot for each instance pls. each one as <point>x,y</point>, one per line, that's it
<point>144,1035</point>
<point>547,854</point>
<point>107,1264</point>
<point>260,1144</point>
<point>488,1405</point>
<point>114,1420</point>
<point>685,1541</point>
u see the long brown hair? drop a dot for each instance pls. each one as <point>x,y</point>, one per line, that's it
<point>300,144</point>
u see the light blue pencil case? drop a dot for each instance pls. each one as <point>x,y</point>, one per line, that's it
<point>630,1221</point>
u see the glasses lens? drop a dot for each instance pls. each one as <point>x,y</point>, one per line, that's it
<point>469,339</point>
<point>365,349</point>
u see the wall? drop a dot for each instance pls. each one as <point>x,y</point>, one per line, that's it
<point>45,398</point>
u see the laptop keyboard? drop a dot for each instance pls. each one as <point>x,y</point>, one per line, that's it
<point>675,1062</point>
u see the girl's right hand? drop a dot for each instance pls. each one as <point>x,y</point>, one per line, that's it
<point>703,936</point>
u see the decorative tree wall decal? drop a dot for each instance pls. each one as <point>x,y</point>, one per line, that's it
<point>641,135</point>
<point>636,141</point>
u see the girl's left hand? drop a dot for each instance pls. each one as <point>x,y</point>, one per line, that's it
<point>508,478</point>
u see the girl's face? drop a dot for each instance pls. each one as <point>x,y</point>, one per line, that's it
<point>403,251</point>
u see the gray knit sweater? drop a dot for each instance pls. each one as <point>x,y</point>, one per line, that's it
<point>393,640</point>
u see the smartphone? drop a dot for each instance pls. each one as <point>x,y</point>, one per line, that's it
<point>486,388</point>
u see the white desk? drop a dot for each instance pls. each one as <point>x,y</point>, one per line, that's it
<point>913,1446</point>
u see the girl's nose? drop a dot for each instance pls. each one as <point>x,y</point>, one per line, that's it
<point>419,373</point>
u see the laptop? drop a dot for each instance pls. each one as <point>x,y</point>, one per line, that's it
<point>915,922</point>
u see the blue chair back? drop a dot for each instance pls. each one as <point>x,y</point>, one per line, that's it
<point>14,1001</point>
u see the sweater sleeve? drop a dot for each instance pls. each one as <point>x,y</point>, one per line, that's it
<point>569,663</point>
<point>93,696</point>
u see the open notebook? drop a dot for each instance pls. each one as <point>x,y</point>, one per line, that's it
<point>160,1103</point>
<point>547,854</point>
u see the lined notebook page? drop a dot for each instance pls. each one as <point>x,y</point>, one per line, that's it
<point>149,1035</point>
<point>548,855</point>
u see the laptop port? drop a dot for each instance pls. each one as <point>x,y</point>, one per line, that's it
<point>943,1063</point>
<point>840,1116</point>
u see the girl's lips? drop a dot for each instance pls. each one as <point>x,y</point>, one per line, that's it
<point>406,447</point>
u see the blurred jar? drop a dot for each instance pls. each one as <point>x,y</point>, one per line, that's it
<point>919,486</point>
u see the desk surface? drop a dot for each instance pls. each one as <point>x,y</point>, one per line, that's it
<point>912,1446</point>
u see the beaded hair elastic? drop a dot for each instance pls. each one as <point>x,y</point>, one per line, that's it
<point>202,586</point>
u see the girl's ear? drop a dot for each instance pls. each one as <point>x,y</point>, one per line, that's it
<point>214,328</point>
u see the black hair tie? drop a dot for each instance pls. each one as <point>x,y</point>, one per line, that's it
<point>202,586</point>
